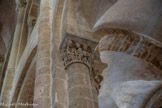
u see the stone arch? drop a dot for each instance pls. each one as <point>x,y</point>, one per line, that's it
<point>121,59</point>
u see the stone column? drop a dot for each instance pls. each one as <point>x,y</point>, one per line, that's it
<point>77,57</point>
<point>7,85</point>
<point>43,80</point>
<point>134,70</point>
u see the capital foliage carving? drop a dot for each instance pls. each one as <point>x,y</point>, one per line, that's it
<point>77,52</point>
<point>76,49</point>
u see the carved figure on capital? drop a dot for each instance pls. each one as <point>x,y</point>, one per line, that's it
<point>70,47</point>
<point>85,53</point>
<point>79,51</point>
<point>75,51</point>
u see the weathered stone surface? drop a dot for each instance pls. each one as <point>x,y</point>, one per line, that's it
<point>78,85</point>
<point>77,56</point>
<point>132,75</point>
<point>137,16</point>
<point>118,66</point>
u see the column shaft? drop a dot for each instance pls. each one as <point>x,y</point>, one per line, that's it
<point>79,85</point>
<point>42,91</point>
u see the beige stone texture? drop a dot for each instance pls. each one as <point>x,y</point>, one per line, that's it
<point>79,86</point>
<point>81,53</point>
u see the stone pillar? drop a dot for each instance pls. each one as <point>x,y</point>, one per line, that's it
<point>43,81</point>
<point>79,85</point>
<point>77,57</point>
<point>134,70</point>
<point>7,85</point>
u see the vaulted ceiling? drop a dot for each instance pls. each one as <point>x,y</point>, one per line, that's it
<point>141,16</point>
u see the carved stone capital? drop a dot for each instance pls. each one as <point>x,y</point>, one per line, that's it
<point>135,45</point>
<point>76,49</point>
